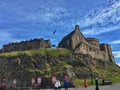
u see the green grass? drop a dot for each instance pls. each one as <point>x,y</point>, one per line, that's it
<point>52,52</point>
<point>46,51</point>
<point>58,69</point>
<point>80,82</point>
<point>61,65</point>
<point>111,71</point>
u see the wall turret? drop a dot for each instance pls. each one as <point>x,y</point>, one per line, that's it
<point>93,41</point>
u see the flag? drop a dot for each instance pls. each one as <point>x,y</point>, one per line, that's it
<point>54,31</point>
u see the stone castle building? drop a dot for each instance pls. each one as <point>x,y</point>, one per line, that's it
<point>73,41</point>
<point>77,42</point>
<point>26,45</point>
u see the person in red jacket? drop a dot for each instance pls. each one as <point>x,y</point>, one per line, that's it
<point>85,82</point>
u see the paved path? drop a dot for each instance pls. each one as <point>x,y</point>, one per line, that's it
<point>105,87</point>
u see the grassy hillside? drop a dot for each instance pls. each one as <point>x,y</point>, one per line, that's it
<point>111,71</point>
<point>47,51</point>
<point>48,62</point>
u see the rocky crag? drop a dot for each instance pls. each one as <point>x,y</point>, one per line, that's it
<point>83,57</point>
<point>25,65</point>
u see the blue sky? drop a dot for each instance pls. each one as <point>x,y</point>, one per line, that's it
<point>22,20</point>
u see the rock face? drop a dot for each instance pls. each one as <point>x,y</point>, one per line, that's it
<point>23,67</point>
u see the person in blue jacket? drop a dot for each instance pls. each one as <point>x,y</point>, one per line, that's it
<point>66,83</point>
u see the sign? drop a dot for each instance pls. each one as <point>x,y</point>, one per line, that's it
<point>33,81</point>
<point>14,82</point>
<point>54,78</point>
<point>3,82</point>
<point>39,81</point>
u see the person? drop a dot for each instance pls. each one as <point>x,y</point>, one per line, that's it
<point>66,83</point>
<point>96,83</point>
<point>57,85</point>
<point>103,82</point>
<point>85,82</point>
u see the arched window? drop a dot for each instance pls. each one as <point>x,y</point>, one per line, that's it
<point>78,37</point>
<point>67,42</point>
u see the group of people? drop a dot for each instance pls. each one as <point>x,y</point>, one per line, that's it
<point>57,85</point>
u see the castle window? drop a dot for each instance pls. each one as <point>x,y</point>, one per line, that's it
<point>67,42</point>
<point>78,37</point>
<point>94,50</point>
<point>90,49</point>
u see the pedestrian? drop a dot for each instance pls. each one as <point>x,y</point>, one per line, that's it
<point>85,82</point>
<point>103,82</point>
<point>66,83</point>
<point>96,83</point>
<point>57,84</point>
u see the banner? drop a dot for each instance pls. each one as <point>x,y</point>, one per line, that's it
<point>3,82</point>
<point>54,78</point>
<point>33,81</point>
<point>14,82</point>
<point>39,81</point>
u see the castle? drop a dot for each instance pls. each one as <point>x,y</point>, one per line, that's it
<point>77,42</point>
<point>26,45</point>
<point>73,41</point>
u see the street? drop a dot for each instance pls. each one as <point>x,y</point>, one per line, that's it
<point>105,87</point>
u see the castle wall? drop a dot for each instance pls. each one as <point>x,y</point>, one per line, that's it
<point>77,37</point>
<point>86,48</point>
<point>102,55</point>
<point>71,42</point>
<point>108,50</point>
<point>66,44</point>
<point>27,45</point>
<point>93,41</point>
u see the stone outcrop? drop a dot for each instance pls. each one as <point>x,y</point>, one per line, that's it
<point>23,67</point>
<point>77,42</point>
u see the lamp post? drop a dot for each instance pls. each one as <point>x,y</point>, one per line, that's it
<point>96,83</point>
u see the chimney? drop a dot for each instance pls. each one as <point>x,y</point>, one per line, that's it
<point>77,27</point>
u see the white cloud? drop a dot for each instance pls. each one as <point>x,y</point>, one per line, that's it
<point>118,64</point>
<point>46,12</point>
<point>101,20</point>
<point>4,36</point>
<point>115,42</point>
<point>102,15</point>
<point>97,31</point>
<point>116,54</point>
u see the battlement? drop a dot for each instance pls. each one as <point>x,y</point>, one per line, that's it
<point>26,45</point>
